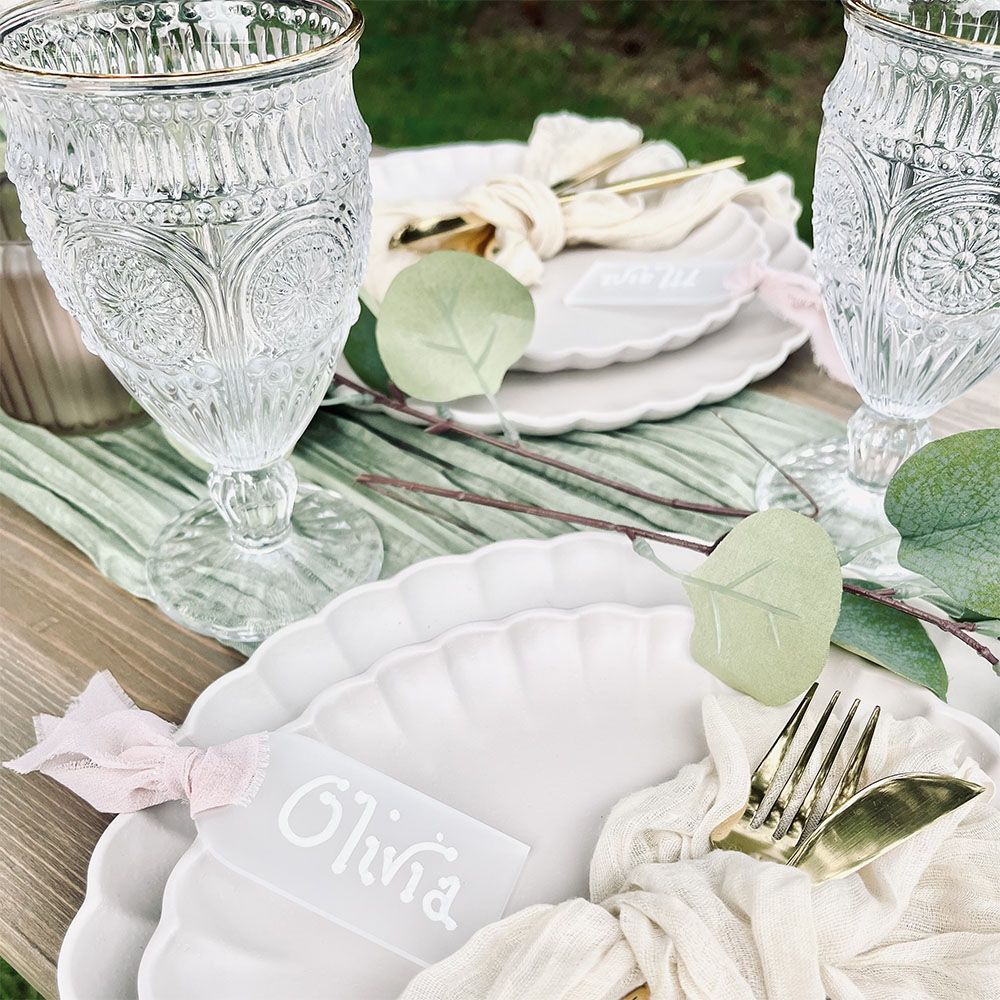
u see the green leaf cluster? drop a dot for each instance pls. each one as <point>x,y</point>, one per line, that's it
<point>891,639</point>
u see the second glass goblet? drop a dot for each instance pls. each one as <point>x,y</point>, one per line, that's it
<point>194,178</point>
<point>907,220</point>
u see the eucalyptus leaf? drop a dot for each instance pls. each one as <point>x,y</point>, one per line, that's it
<point>945,503</point>
<point>891,639</point>
<point>765,605</point>
<point>361,352</point>
<point>451,326</point>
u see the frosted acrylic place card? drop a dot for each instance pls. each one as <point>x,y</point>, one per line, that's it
<point>653,280</point>
<point>367,851</point>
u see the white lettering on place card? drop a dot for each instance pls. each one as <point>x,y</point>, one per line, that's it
<point>367,851</point>
<point>649,280</point>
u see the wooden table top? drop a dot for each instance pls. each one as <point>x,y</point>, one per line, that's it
<point>61,621</point>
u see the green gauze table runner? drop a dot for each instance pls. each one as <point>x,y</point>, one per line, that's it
<point>110,494</point>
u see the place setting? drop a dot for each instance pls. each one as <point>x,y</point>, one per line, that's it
<point>574,666</point>
<point>588,340</point>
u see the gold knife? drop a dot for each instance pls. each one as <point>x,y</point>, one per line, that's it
<point>878,818</point>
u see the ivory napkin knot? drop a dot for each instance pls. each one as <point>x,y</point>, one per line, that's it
<point>528,219</point>
<point>121,759</point>
<point>696,923</point>
<point>533,226</point>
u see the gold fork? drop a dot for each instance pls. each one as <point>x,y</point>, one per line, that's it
<point>774,834</point>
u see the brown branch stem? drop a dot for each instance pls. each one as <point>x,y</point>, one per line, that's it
<point>437,425</point>
<point>790,479</point>
<point>461,496</point>
<point>961,630</point>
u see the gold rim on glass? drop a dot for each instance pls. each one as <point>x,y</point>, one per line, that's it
<point>865,10</point>
<point>22,15</point>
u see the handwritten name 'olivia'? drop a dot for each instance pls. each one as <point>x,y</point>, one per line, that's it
<point>388,861</point>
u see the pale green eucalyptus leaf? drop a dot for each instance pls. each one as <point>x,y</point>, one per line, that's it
<point>765,605</point>
<point>891,639</point>
<point>451,325</point>
<point>945,503</point>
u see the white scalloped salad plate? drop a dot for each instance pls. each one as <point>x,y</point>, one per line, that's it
<point>570,336</point>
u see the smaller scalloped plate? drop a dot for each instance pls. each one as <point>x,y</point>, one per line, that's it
<point>566,336</point>
<point>516,723</point>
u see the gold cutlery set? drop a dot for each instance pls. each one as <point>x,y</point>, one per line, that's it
<point>792,818</point>
<point>472,234</point>
<point>831,833</point>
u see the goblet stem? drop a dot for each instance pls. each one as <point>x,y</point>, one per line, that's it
<point>261,553</point>
<point>878,445</point>
<point>256,504</point>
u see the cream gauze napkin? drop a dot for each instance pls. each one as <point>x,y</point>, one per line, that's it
<point>531,224</point>
<point>921,922</point>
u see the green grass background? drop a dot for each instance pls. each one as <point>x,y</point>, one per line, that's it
<point>716,77</point>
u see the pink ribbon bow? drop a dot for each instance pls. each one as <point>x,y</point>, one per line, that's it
<point>122,759</point>
<point>796,299</point>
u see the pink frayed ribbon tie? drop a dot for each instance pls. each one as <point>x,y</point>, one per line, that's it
<point>796,299</point>
<point>122,759</point>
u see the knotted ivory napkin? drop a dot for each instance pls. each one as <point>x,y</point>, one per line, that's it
<point>921,922</point>
<point>531,224</point>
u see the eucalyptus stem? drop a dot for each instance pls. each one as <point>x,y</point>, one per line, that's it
<point>629,531</point>
<point>439,425</point>
<point>788,477</point>
<point>960,630</point>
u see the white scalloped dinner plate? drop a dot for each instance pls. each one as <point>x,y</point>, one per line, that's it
<point>518,723</point>
<point>100,955</point>
<point>747,344</point>
<point>750,347</point>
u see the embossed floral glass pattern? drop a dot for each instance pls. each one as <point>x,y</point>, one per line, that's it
<point>907,224</point>
<point>194,178</point>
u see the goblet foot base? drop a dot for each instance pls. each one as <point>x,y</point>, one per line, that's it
<point>202,579</point>
<point>852,513</point>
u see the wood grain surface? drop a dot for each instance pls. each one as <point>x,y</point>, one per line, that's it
<point>61,621</point>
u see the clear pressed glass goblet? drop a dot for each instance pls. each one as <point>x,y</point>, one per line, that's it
<point>194,178</point>
<point>907,226</point>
